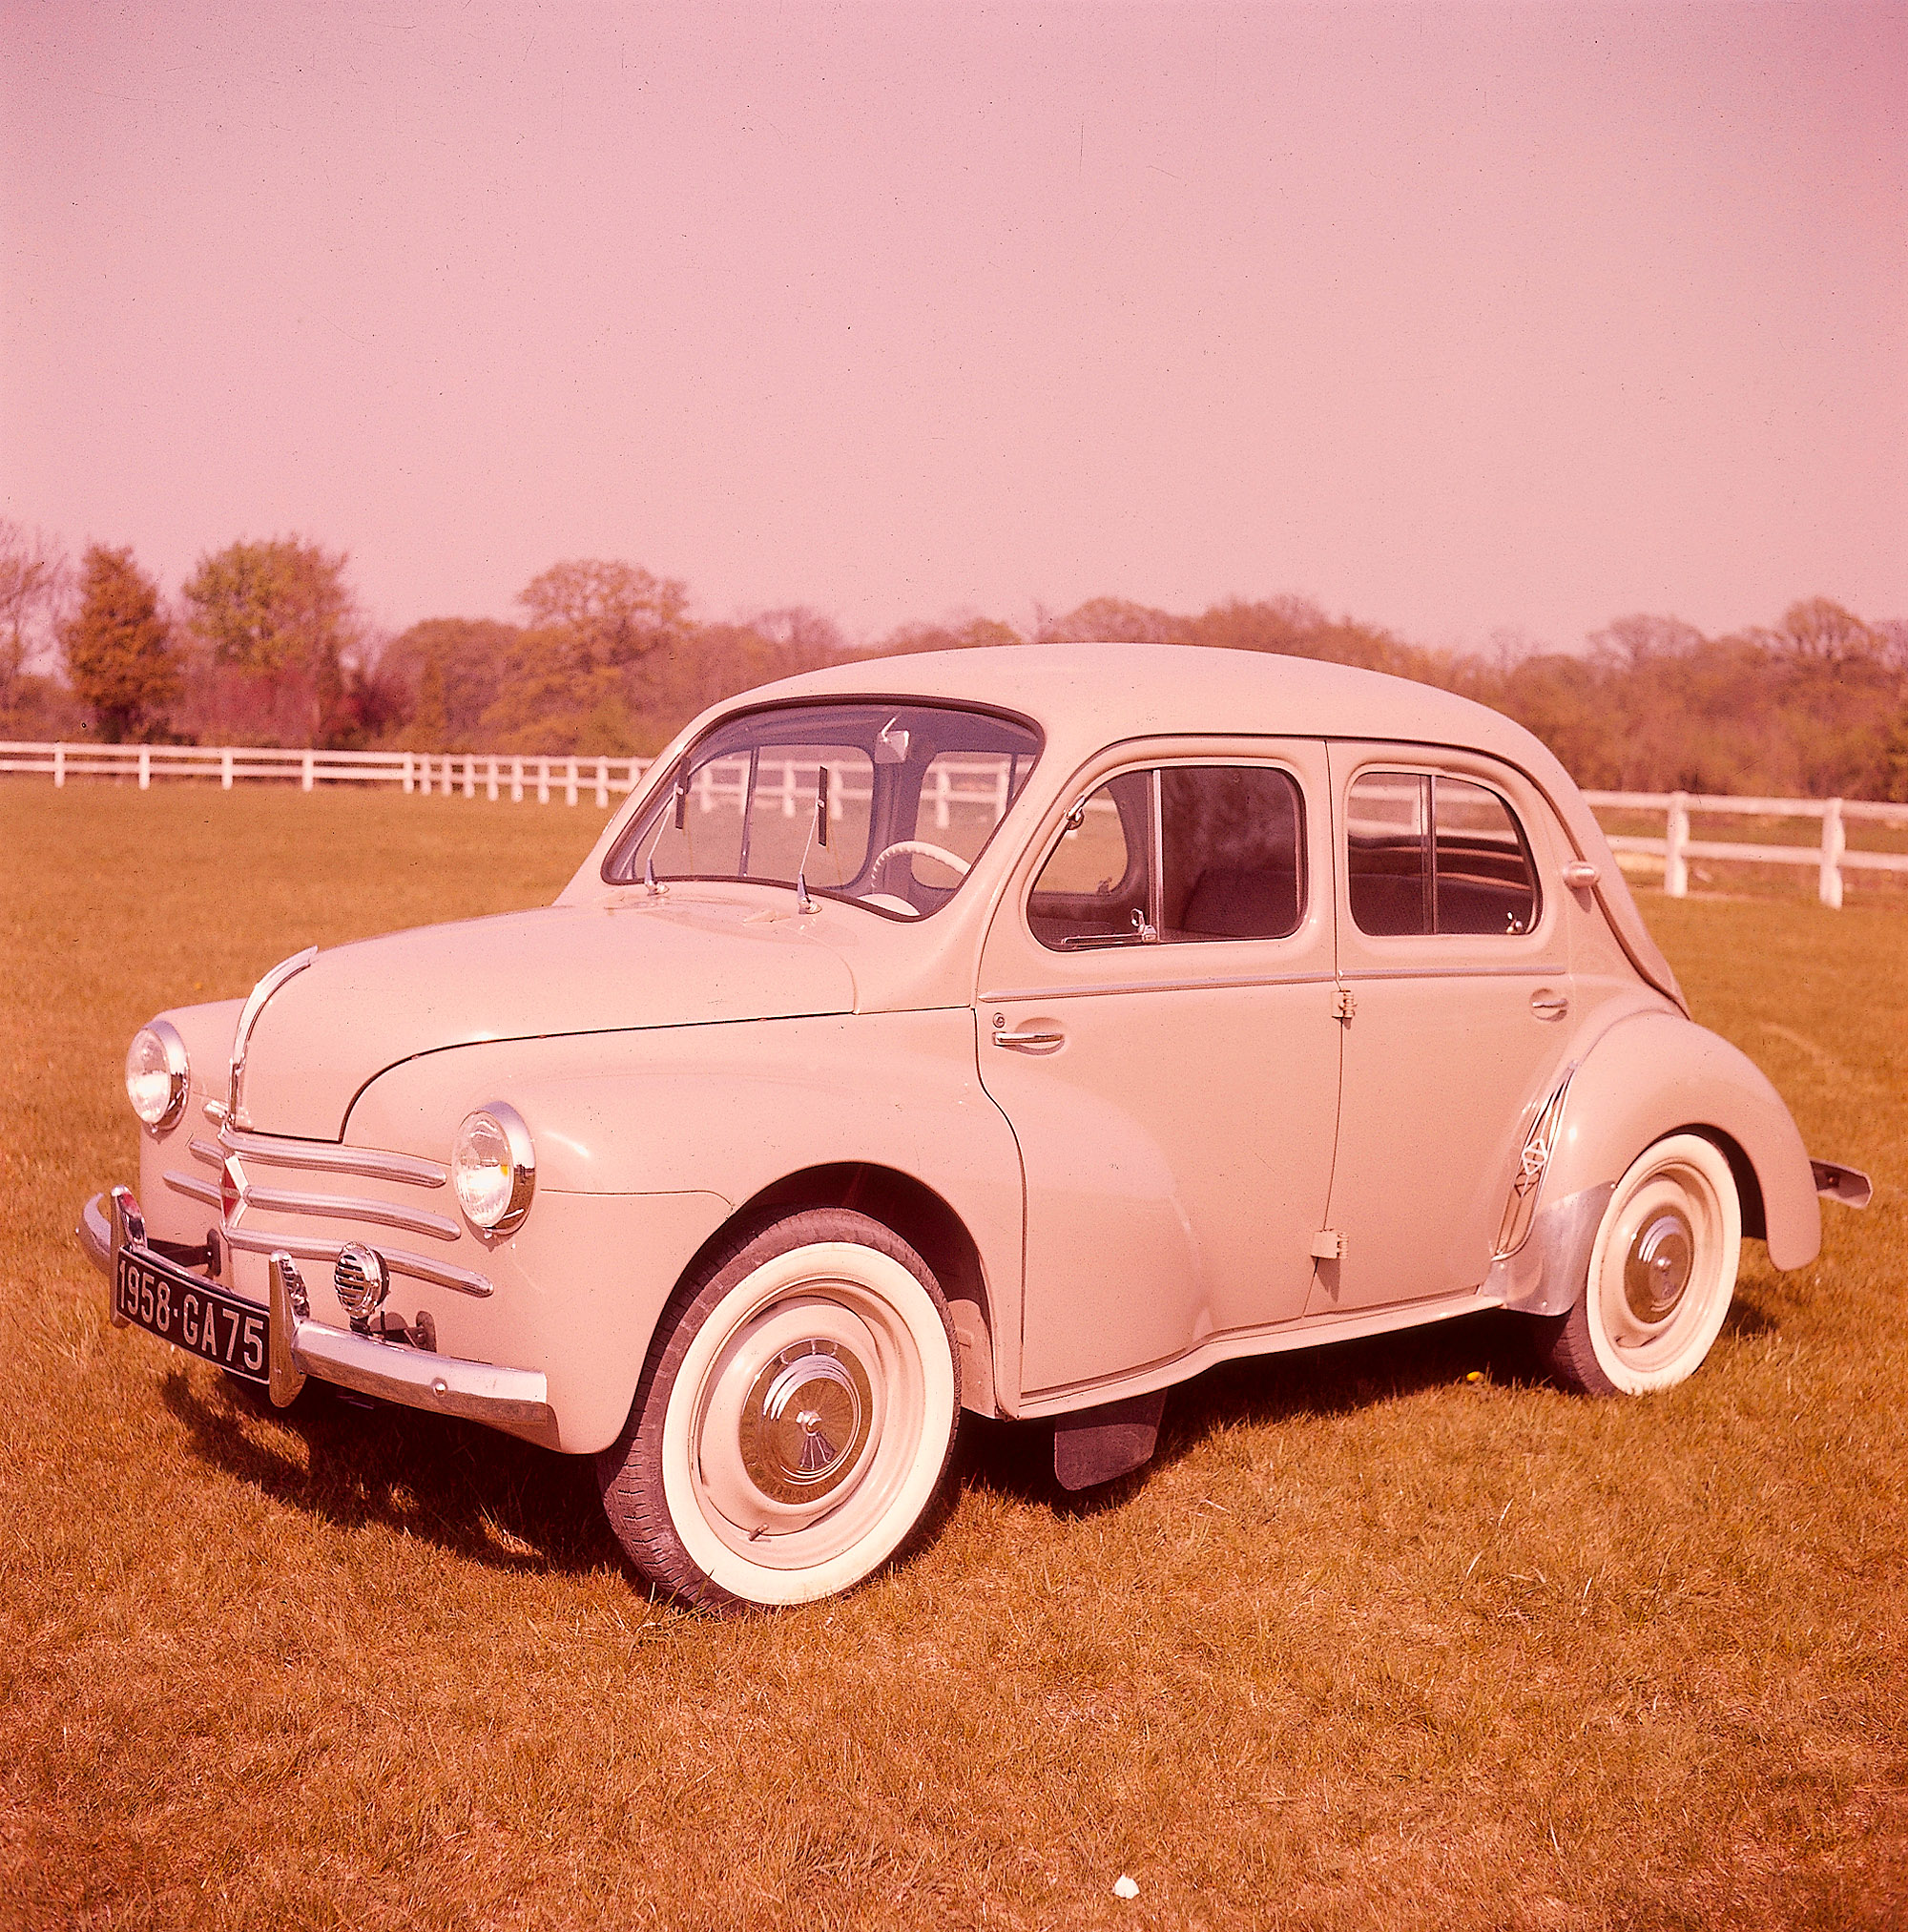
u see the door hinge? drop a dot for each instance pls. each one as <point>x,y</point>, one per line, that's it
<point>1346,1005</point>
<point>1328,1244</point>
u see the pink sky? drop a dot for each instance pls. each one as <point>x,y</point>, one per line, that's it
<point>1453,318</point>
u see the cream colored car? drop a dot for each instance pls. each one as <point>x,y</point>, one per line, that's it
<point>1021,1032</point>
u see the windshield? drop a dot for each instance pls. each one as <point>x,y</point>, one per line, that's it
<point>884,803</point>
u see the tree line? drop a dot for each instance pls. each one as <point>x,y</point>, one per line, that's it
<point>266,644</point>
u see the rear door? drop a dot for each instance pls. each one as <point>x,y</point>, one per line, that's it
<point>1456,963</point>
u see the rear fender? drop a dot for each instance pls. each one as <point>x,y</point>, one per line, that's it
<point>1650,1075</point>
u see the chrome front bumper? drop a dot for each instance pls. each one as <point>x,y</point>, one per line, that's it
<point>395,1371</point>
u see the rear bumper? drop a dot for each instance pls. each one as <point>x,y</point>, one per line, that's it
<point>1846,1184</point>
<point>513,1399</point>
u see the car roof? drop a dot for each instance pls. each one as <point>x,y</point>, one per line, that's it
<point>1087,695</point>
<point>1094,693</point>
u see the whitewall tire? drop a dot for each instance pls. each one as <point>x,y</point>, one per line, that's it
<point>1662,1274</point>
<point>795,1422</point>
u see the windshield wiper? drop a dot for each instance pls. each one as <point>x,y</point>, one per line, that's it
<point>817,831</point>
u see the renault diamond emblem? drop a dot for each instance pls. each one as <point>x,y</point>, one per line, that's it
<point>232,1194</point>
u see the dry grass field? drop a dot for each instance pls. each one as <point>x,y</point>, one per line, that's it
<point>1392,1635</point>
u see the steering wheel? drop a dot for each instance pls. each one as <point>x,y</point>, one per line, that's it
<point>953,860</point>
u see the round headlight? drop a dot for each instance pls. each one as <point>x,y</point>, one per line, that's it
<point>493,1168</point>
<point>157,1074</point>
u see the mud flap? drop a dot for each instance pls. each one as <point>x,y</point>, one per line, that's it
<point>1095,1445</point>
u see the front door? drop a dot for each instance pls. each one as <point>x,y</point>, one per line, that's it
<point>1156,1021</point>
<point>1455,961</point>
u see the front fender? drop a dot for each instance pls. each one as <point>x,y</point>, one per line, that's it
<point>1655,1074</point>
<point>728,1110</point>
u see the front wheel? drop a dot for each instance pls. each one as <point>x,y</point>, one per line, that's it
<point>1662,1274</point>
<point>794,1419</point>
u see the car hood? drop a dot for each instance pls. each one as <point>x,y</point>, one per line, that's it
<point>358,1010</point>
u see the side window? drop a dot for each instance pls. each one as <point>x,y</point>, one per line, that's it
<point>1233,851</point>
<point>1231,861</point>
<point>1096,888</point>
<point>1388,853</point>
<point>1436,855</point>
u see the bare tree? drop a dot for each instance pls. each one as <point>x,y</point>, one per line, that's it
<point>1819,631</point>
<point>806,637</point>
<point>35,582</point>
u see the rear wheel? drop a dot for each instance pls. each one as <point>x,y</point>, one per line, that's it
<point>1662,1274</point>
<point>794,1419</point>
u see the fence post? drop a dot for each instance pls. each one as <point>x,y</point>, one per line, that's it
<point>225,769</point>
<point>516,781</point>
<point>410,775</point>
<point>570,784</point>
<point>1835,843</point>
<point>490,791</point>
<point>602,781</point>
<point>306,783</point>
<point>1675,847</point>
<point>543,781</point>
<point>470,776</point>
<point>145,767</point>
<point>59,765</point>
<point>940,792</point>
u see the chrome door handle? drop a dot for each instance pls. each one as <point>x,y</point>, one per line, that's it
<point>1030,1038</point>
<point>1547,1004</point>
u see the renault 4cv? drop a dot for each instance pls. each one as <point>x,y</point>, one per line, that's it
<point>1020,1031</point>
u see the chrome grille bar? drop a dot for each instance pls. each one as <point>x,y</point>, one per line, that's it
<point>320,1158</point>
<point>420,1267</point>
<point>346,1208</point>
<point>286,1201</point>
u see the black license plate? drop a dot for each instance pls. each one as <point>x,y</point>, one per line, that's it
<point>190,1313</point>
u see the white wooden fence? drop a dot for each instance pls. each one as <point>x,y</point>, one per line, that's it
<point>1832,858</point>
<point>472,773</point>
<point>411,772</point>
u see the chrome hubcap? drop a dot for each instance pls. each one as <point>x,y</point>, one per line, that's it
<point>1657,1269</point>
<point>805,1422</point>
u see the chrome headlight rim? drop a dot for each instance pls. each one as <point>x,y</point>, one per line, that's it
<point>179,1075</point>
<point>508,1125</point>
